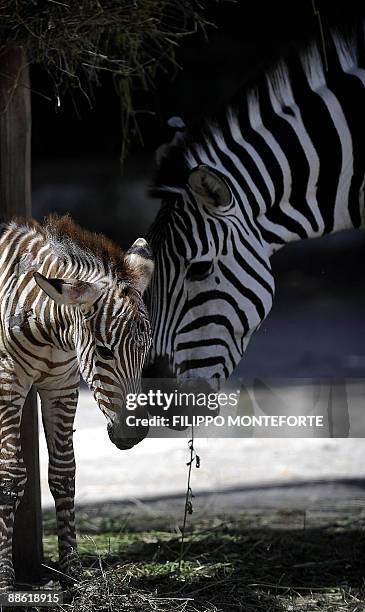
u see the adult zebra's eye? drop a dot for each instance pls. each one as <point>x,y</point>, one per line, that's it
<point>104,352</point>
<point>199,270</point>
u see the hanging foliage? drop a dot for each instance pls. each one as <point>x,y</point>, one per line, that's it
<point>76,41</point>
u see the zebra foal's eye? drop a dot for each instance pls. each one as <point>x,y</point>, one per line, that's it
<point>104,352</point>
<point>199,270</point>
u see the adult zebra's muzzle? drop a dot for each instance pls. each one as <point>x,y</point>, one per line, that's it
<point>186,397</point>
<point>160,367</point>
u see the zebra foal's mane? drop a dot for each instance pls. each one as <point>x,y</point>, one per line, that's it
<point>344,47</point>
<point>68,240</point>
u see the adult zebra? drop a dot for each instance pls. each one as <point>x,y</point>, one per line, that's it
<point>283,162</point>
<point>70,301</point>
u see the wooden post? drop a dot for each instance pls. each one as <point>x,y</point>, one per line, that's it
<point>15,200</point>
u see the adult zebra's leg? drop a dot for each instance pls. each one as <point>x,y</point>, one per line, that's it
<point>58,413</point>
<point>13,475</point>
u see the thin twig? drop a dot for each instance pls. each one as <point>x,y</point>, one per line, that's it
<point>189,494</point>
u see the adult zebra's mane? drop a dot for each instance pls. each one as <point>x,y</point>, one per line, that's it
<point>342,50</point>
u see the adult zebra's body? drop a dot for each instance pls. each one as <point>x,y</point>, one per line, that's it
<point>87,316</point>
<point>285,161</point>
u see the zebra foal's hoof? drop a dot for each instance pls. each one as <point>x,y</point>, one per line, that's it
<point>71,570</point>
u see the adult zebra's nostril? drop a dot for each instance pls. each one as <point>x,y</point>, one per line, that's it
<point>199,270</point>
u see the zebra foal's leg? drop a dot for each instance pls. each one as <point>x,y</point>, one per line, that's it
<point>13,474</point>
<point>58,413</point>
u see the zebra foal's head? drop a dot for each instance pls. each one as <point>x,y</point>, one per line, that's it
<point>110,333</point>
<point>212,284</point>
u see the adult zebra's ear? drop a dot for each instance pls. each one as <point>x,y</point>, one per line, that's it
<point>140,259</point>
<point>210,187</point>
<point>69,291</point>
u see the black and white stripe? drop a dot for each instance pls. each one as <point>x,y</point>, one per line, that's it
<point>70,302</point>
<point>284,162</point>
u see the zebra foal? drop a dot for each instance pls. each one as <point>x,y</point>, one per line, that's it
<point>70,302</point>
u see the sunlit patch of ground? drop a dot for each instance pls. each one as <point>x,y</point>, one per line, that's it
<point>258,561</point>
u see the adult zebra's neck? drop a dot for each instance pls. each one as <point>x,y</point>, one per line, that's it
<point>294,152</point>
<point>310,149</point>
<point>292,147</point>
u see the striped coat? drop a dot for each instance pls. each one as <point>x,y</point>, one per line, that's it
<point>284,161</point>
<point>70,302</point>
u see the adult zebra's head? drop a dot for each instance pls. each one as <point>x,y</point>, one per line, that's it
<point>212,284</point>
<point>111,334</point>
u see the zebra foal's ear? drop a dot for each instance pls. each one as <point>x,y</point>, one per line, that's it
<point>210,187</point>
<point>68,291</point>
<point>139,258</point>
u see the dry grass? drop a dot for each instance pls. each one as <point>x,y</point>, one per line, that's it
<point>78,41</point>
<point>256,562</point>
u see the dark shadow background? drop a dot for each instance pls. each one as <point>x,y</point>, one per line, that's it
<point>316,327</point>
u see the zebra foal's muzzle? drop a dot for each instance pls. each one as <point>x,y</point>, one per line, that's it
<point>123,435</point>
